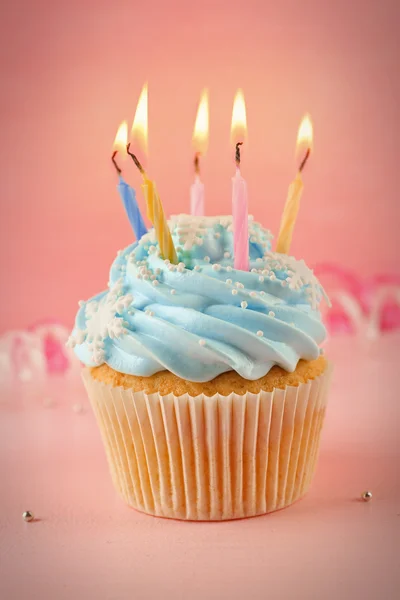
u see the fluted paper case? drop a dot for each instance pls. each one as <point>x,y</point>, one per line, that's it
<point>211,458</point>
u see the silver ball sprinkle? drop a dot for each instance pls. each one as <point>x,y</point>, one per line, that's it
<point>366,496</point>
<point>27,516</point>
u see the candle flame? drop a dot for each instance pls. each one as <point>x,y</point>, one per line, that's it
<point>200,132</point>
<point>139,133</point>
<point>305,135</point>
<point>121,139</point>
<point>239,121</point>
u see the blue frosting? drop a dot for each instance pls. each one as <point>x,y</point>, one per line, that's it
<point>202,317</point>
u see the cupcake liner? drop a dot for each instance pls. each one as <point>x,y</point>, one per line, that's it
<point>202,458</point>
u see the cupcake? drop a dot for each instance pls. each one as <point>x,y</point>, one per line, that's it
<point>208,383</point>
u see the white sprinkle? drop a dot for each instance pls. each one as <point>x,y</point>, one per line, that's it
<point>197,268</point>
<point>283,283</point>
<point>202,342</point>
<point>260,333</point>
<point>81,303</point>
<point>153,277</point>
<point>229,269</point>
<point>234,292</point>
<point>207,259</point>
<point>180,269</point>
<point>157,271</point>
<point>239,285</point>
<point>229,281</point>
<point>139,276</point>
<point>167,261</point>
<point>217,235</point>
<point>244,304</point>
<point>261,278</point>
<point>253,239</point>
<point>155,282</point>
<point>173,292</point>
<point>199,241</point>
<point>227,254</point>
<point>259,259</point>
<point>119,252</point>
<point>253,294</point>
<point>146,277</point>
<point>149,313</point>
<point>216,267</point>
<point>272,277</point>
<point>262,293</point>
<point>181,264</point>
<point>271,313</point>
<point>253,271</point>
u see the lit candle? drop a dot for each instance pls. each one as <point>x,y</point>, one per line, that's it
<point>304,140</point>
<point>239,188</point>
<point>200,140</point>
<point>127,193</point>
<point>155,210</point>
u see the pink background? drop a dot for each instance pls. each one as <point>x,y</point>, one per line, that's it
<point>72,71</point>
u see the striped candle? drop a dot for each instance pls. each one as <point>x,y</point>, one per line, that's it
<point>156,215</point>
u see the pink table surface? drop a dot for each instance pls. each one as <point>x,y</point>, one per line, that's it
<point>87,544</point>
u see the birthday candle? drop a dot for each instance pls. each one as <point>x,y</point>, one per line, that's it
<point>155,210</point>
<point>239,188</point>
<point>126,192</point>
<point>199,140</point>
<point>292,205</point>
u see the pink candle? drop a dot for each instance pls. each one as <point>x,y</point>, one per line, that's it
<point>239,188</point>
<point>240,222</point>
<point>200,141</point>
<point>197,198</point>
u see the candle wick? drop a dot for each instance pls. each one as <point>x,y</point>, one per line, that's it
<point>115,162</point>
<point>237,154</point>
<point>135,160</point>
<point>197,163</point>
<point>304,161</point>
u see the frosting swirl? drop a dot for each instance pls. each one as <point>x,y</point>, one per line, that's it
<point>202,317</point>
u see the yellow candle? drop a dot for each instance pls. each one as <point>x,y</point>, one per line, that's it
<point>156,215</point>
<point>155,211</point>
<point>289,216</point>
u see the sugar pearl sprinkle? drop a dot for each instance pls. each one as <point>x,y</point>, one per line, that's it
<point>234,292</point>
<point>173,292</point>
<point>271,313</point>
<point>202,342</point>
<point>260,333</point>
<point>244,304</point>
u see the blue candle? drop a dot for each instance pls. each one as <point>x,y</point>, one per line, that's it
<point>128,197</point>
